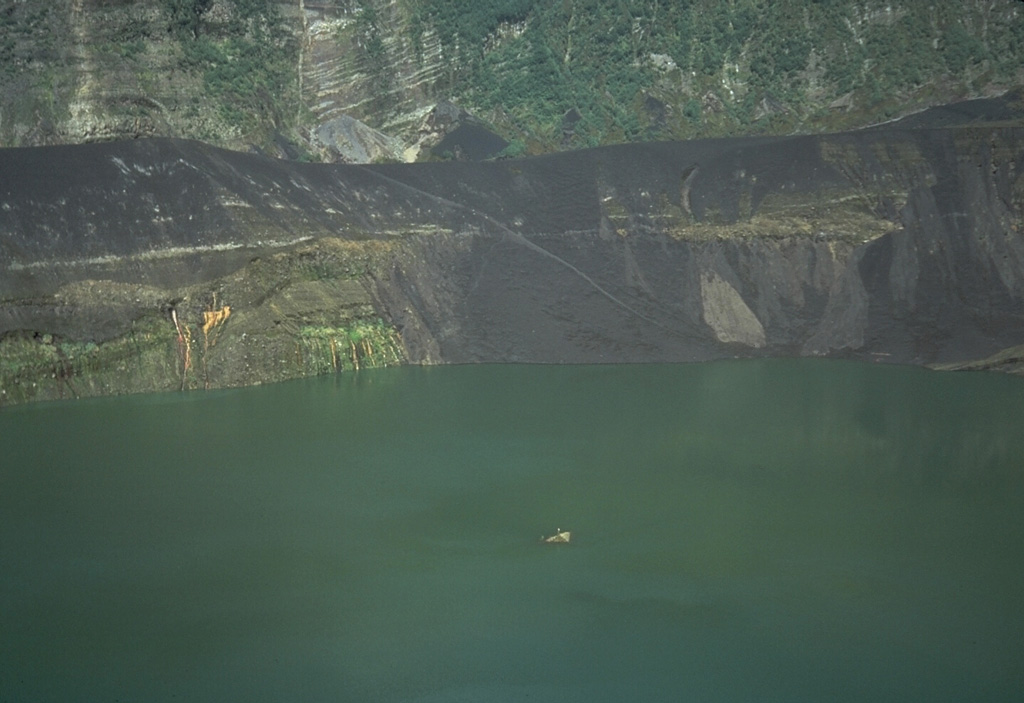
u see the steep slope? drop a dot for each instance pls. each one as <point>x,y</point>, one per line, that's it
<point>277,75</point>
<point>167,264</point>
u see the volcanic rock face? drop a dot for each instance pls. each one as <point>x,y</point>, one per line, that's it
<point>368,70</point>
<point>287,77</point>
<point>347,140</point>
<point>901,245</point>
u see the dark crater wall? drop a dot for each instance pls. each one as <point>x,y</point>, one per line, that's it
<point>897,244</point>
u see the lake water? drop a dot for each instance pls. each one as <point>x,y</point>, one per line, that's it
<point>765,530</point>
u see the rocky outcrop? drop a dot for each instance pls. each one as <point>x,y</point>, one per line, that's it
<point>898,245</point>
<point>349,141</point>
<point>359,60</point>
<point>727,314</point>
<point>350,84</point>
<point>277,76</point>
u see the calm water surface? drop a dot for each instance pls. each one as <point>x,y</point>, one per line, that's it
<point>768,530</point>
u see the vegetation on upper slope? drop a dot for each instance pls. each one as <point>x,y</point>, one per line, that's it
<point>587,72</point>
<point>546,74</point>
<point>248,63</point>
<point>224,71</point>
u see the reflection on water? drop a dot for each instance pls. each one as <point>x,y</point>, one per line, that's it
<point>769,530</point>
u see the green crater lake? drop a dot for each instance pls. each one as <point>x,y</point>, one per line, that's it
<point>790,530</point>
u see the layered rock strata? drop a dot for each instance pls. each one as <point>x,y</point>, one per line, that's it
<point>897,245</point>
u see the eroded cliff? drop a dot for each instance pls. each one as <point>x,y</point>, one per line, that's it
<point>164,264</point>
<point>358,80</point>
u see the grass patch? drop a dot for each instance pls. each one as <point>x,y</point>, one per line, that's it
<point>46,367</point>
<point>363,344</point>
